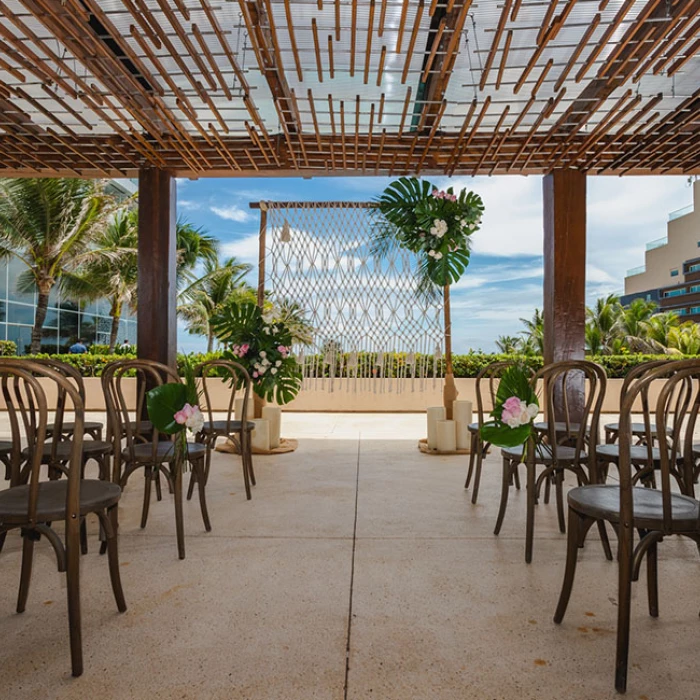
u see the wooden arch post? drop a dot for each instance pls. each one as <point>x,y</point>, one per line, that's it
<point>449,390</point>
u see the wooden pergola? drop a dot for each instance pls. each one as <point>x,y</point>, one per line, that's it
<point>158,89</point>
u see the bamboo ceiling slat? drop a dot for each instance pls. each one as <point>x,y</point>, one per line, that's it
<point>103,88</point>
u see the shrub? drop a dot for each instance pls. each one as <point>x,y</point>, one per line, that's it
<point>8,348</point>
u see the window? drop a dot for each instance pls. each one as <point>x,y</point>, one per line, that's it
<point>681,312</point>
<point>20,313</point>
<point>693,268</point>
<point>695,288</point>
<point>674,273</point>
<point>694,310</point>
<point>674,292</point>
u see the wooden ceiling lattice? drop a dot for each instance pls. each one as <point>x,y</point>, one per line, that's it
<point>319,87</point>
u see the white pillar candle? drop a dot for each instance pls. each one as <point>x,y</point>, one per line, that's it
<point>435,413</point>
<point>238,408</point>
<point>273,414</point>
<point>462,414</point>
<point>260,438</point>
<point>446,436</point>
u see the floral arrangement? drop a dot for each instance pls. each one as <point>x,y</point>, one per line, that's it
<point>263,346</point>
<point>173,409</point>
<point>435,224</point>
<point>516,407</point>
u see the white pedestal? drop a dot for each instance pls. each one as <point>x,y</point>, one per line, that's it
<point>446,436</point>
<point>238,408</point>
<point>462,414</point>
<point>273,414</point>
<point>260,438</point>
<point>435,414</point>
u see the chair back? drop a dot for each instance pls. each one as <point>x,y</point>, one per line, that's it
<point>634,375</point>
<point>573,393</point>
<point>126,416</point>
<point>239,383</point>
<point>28,413</point>
<point>675,414</point>
<point>487,387</point>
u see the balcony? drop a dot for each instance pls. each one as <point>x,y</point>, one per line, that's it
<point>658,243</point>
<point>640,270</point>
<point>684,211</point>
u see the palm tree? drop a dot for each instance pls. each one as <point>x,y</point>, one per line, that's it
<point>631,325</point>
<point>113,274</point>
<point>49,225</point>
<point>207,295</point>
<point>658,330</point>
<point>194,245</point>
<point>685,338</point>
<point>601,324</point>
<point>508,344</point>
<point>534,334</point>
<point>294,317</point>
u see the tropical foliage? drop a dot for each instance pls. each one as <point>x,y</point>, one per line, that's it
<point>263,345</point>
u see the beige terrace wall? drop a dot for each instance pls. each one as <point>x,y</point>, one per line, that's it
<point>344,397</point>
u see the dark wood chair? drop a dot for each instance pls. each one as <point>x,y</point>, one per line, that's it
<point>652,513</point>
<point>239,431</point>
<point>34,506</point>
<point>486,386</point>
<point>572,392</point>
<point>154,452</point>
<point>612,430</point>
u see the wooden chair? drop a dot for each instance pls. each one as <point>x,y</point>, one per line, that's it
<point>237,430</point>
<point>32,507</point>
<point>154,453</point>
<point>577,389</point>
<point>486,385</point>
<point>612,430</point>
<point>653,513</point>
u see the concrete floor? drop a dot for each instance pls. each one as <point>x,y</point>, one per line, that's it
<point>359,570</point>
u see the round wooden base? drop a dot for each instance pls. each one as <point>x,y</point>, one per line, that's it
<point>286,445</point>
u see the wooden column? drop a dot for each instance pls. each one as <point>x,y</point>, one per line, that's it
<point>157,293</point>
<point>565,268</point>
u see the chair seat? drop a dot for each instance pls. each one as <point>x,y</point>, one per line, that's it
<point>70,427</point>
<point>696,450</point>
<point>63,449</point>
<point>222,427</point>
<point>95,495</point>
<point>638,453</point>
<point>5,447</point>
<point>637,428</point>
<point>543,453</point>
<point>143,452</point>
<point>603,501</point>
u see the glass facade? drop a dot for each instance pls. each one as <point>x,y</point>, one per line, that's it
<point>66,320</point>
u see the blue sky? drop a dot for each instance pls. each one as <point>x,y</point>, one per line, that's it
<point>504,280</point>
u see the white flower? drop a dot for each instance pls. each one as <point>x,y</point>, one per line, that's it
<point>266,362</point>
<point>263,353</point>
<point>513,422</point>
<point>431,253</point>
<point>438,256</point>
<point>440,234</point>
<point>195,422</point>
<point>266,330</point>
<point>532,410</point>
<point>262,370</point>
<point>433,231</point>
<point>273,371</point>
<point>278,363</point>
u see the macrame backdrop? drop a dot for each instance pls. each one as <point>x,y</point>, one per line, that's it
<point>317,254</point>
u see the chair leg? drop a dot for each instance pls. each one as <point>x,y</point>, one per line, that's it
<point>477,475</point>
<point>159,490</point>
<point>624,601</point>
<point>530,520</point>
<point>516,476</point>
<point>505,487</point>
<point>111,527</point>
<point>26,574</point>
<point>653,580</point>
<point>249,447</point>
<point>547,489</point>
<point>605,540</point>
<point>559,492</point>
<point>202,496</point>
<point>473,447</point>
<point>179,523</point>
<point>146,495</point>
<point>83,536</point>
<point>576,526</point>
<point>247,465</point>
<point>190,487</point>
<point>3,536</point>
<point>73,588</point>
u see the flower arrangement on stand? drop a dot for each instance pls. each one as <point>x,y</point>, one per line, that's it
<point>437,226</point>
<point>263,346</point>
<point>514,412</point>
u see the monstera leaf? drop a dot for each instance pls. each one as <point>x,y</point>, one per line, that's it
<point>399,200</point>
<point>236,322</point>
<point>163,403</point>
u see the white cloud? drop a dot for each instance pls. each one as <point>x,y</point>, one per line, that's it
<point>244,249</point>
<point>188,204</point>
<point>232,213</point>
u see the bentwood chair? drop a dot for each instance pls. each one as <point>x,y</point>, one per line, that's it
<point>237,430</point>
<point>653,513</point>
<point>486,386</point>
<point>572,397</point>
<point>612,430</point>
<point>34,506</point>
<point>154,452</point>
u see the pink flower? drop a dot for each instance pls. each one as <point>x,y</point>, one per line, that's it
<point>184,414</point>
<point>255,375</point>
<point>512,405</point>
<point>243,349</point>
<point>282,350</point>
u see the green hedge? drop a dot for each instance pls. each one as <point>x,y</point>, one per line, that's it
<point>8,348</point>
<point>465,366</point>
